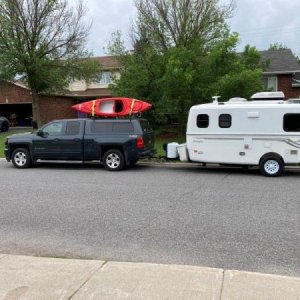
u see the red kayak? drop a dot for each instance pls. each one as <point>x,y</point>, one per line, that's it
<point>113,107</point>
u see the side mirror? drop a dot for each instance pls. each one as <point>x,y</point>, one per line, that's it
<point>41,133</point>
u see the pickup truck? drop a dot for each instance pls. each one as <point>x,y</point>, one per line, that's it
<point>116,143</point>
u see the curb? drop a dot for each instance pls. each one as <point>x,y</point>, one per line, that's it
<point>58,278</point>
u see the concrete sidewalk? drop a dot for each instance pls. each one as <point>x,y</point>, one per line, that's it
<point>24,277</point>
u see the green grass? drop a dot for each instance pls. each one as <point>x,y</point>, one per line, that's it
<point>160,140</point>
<point>3,136</point>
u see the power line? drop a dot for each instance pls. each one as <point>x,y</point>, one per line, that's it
<point>270,30</point>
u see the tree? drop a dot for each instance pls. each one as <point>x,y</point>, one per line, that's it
<point>277,46</point>
<point>182,65</point>
<point>176,23</point>
<point>42,42</point>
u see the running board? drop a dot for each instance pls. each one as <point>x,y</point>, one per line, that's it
<point>60,161</point>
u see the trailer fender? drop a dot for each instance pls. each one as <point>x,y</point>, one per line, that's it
<point>271,155</point>
<point>271,164</point>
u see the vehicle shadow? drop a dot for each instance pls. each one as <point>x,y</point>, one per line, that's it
<point>176,167</point>
<point>214,169</point>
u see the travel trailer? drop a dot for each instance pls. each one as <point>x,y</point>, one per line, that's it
<point>263,132</point>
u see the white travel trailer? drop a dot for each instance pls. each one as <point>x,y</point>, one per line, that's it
<point>264,133</point>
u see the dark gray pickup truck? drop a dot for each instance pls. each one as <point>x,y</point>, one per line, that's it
<point>116,143</point>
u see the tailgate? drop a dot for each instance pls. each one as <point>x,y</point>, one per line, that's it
<point>148,134</point>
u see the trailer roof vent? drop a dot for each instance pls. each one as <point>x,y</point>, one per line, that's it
<point>264,96</point>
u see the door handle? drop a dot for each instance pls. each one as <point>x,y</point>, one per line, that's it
<point>76,140</point>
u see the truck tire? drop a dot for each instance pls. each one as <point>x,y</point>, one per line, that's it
<point>271,166</point>
<point>113,160</point>
<point>21,158</point>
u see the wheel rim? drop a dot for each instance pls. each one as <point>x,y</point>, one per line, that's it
<point>113,160</point>
<point>272,167</point>
<point>20,159</point>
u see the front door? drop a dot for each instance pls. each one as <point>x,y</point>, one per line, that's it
<point>60,140</point>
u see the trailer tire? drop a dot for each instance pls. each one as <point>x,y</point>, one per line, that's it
<point>271,166</point>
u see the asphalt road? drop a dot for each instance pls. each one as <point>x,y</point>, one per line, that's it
<point>216,217</point>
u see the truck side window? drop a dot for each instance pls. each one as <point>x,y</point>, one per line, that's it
<point>73,128</point>
<point>291,122</point>
<point>55,128</point>
<point>202,121</point>
<point>225,121</point>
<point>98,127</point>
<point>122,127</point>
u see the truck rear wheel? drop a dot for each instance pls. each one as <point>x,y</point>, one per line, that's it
<point>271,166</point>
<point>113,160</point>
<point>21,158</point>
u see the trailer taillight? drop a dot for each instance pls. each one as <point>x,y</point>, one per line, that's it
<point>140,142</point>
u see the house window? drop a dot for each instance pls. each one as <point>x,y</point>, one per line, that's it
<point>296,80</point>
<point>225,121</point>
<point>270,83</point>
<point>291,122</point>
<point>202,121</point>
<point>105,78</point>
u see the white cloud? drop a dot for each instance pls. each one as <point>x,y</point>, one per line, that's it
<point>259,22</point>
<point>262,22</point>
<point>108,16</point>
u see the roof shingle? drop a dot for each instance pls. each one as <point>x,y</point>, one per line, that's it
<point>281,61</point>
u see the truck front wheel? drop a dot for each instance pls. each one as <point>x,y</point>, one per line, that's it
<point>271,166</point>
<point>21,158</point>
<point>113,160</point>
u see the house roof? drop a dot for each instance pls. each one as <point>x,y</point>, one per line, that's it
<point>107,62</point>
<point>280,62</point>
<point>100,92</point>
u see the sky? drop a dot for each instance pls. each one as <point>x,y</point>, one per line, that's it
<point>259,23</point>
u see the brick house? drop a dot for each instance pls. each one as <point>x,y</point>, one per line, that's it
<point>16,105</point>
<point>15,98</point>
<point>283,72</point>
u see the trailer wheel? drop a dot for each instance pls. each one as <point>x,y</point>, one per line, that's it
<point>271,166</point>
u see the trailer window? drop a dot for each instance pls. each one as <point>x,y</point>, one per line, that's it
<point>202,121</point>
<point>225,121</point>
<point>291,122</point>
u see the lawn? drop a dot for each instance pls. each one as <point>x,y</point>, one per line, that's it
<point>3,136</point>
<point>160,140</point>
